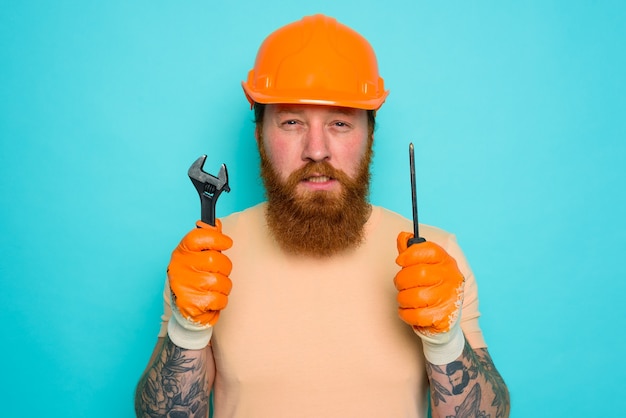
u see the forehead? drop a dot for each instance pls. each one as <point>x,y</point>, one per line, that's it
<point>281,108</point>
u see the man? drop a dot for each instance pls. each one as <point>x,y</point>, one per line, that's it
<point>318,275</point>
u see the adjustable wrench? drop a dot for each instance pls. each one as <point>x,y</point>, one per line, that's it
<point>209,188</point>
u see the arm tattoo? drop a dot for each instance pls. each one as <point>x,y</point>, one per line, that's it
<point>175,385</point>
<point>466,380</point>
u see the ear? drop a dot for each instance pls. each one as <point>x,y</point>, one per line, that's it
<point>258,135</point>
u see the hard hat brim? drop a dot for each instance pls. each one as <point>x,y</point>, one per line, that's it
<point>302,97</point>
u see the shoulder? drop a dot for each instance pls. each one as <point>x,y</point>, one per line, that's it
<point>254,214</point>
<point>396,222</point>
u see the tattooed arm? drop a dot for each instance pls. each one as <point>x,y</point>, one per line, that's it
<point>468,387</point>
<point>176,379</point>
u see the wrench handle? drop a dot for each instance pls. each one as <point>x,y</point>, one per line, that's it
<point>207,207</point>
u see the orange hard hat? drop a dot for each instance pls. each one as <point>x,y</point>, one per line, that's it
<point>316,60</point>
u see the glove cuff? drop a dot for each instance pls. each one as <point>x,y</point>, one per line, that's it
<point>186,334</point>
<point>443,348</point>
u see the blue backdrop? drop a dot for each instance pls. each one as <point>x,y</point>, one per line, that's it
<point>517,110</point>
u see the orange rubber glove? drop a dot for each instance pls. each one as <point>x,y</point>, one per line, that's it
<point>430,295</point>
<point>198,278</point>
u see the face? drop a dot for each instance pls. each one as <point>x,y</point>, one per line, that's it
<point>296,135</point>
<point>458,377</point>
<point>315,166</point>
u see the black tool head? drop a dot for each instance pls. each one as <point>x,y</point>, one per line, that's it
<point>200,177</point>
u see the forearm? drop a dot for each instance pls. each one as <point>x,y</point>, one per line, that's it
<point>176,379</point>
<point>468,387</point>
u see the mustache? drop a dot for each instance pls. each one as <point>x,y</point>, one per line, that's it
<point>318,168</point>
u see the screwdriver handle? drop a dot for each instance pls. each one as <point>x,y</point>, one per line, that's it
<point>415,241</point>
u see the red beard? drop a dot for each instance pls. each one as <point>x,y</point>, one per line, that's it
<point>317,223</point>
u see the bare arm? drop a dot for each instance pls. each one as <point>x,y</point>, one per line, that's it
<point>176,379</point>
<point>468,387</point>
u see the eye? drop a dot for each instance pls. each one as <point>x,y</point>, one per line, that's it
<point>342,125</point>
<point>289,122</point>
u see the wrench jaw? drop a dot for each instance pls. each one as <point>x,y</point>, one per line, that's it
<point>209,188</point>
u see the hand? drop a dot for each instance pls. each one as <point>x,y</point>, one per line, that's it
<point>430,296</point>
<point>198,277</point>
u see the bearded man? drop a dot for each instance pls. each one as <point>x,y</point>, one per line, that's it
<point>323,283</point>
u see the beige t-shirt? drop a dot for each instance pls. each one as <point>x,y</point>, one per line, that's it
<point>307,337</point>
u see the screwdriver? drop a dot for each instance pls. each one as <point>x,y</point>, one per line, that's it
<point>416,234</point>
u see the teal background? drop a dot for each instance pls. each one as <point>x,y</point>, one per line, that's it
<point>517,110</point>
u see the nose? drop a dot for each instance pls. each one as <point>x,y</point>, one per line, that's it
<point>315,144</point>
